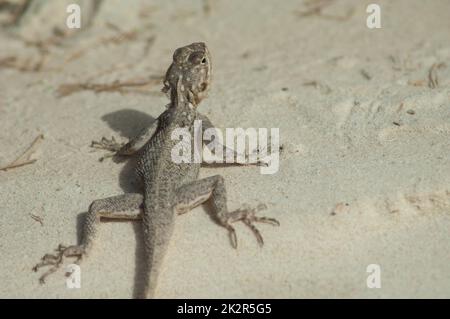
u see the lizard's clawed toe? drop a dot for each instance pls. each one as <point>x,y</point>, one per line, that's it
<point>56,260</point>
<point>107,144</point>
<point>248,217</point>
<point>233,237</point>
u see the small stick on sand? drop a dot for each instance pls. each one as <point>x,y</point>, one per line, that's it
<point>325,88</point>
<point>38,219</point>
<point>206,7</point>
<point>311,83</point>
<point>116,86</point>
<point>316,9</point>
<point>433,81</point>
<point>24,159</point>
<point>366,74</point>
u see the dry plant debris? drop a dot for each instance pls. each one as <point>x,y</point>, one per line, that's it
<point>25,158</point>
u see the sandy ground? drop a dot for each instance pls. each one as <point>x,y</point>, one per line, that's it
<point>364,173</point>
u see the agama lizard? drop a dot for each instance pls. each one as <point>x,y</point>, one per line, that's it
<point>168,187</point>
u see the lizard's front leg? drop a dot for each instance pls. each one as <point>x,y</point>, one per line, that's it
<point>207,124</point>
<point>127,206</point>
<point>134,145</point>
<point>213,188</point>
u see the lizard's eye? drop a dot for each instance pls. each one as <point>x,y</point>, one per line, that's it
<point>197,57</point>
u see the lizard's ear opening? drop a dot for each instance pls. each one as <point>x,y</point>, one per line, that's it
<point>203,86</point>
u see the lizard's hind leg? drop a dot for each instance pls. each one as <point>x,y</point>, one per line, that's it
<point>127,207</point>
<point>213,188</point>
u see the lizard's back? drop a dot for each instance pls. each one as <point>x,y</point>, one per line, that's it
<point>161,174</point>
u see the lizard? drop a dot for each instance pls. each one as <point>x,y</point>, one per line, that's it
<point>169,188</point>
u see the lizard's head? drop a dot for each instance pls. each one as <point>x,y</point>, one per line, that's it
<point>191,63</point>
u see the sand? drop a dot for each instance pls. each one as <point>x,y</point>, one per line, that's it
<point>364,172</point>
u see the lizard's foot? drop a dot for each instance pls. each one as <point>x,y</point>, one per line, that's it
<point>56,260</point>
<point>108,144</point>
<point>248,217</point>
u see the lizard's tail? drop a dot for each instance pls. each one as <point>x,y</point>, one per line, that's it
<point>158,228</point>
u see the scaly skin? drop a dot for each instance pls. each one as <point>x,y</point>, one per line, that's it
<point>169,187</point>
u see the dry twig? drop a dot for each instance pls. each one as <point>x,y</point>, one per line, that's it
<point>433,81</point>
<point>316,7</point>
<point>116,86</point>
<point>24,159</point>
<point>38,219</point>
